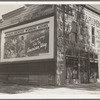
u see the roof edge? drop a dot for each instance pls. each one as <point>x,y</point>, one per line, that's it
<point>4,16</point>
<point>92,9</point>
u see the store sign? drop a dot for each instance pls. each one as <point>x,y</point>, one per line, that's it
<point>94,21</point>
<point>28,42</point>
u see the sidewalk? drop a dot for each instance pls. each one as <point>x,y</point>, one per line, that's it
<point>14,91</point>
<point>86,86</point>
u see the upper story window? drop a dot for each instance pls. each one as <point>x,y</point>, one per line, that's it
<point>93,35</point>
<point>69,10</point>
<point>74,31</point>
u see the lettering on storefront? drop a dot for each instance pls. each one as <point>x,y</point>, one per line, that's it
<point>90,20</point>
<point>95,22</point>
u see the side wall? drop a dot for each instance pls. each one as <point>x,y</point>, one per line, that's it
<point>38,72</point>
<point>28,73</point>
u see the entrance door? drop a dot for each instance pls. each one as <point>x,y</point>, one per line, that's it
<point>93,72</point>
<point>71,70</point>
<point>84,71</point>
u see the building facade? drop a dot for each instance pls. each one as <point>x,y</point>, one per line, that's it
<point>50,44</point>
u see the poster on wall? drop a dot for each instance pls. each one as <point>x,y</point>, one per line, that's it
<point>28,42</point>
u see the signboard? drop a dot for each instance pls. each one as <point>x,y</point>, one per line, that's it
<point>28,42</point>
<point>93,20</point>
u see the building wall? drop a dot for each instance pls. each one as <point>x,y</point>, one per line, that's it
<point>38,69</point>
<point>92,20</point>
<point>74,47</point>
<point>28,73</point>
<point>60,77</point>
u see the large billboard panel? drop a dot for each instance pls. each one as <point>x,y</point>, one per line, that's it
<point>31,41</point>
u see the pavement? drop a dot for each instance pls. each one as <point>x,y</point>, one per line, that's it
<point>81,91</point>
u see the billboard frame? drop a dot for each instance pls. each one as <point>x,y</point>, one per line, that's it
<point>49,55</point>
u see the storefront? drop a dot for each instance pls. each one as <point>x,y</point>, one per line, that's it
<point>78,34</point>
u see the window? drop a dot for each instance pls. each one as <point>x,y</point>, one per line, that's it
<point>69,10</point>
<point>74,37</point>
<point>74,31</point>
<point>93,35</point>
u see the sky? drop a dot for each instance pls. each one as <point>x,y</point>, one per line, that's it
<point>5,8</point>
<point>96,6</point>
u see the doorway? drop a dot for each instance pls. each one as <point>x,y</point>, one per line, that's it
<point>84,70</point>
<point>93,72</point>
<point>72,70</point>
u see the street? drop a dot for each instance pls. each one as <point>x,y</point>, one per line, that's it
<point>14,91</point>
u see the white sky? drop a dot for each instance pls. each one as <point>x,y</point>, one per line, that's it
<point>5,8</point>
<point>96,6</point>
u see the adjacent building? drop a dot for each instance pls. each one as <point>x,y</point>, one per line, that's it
<point>50,45</point>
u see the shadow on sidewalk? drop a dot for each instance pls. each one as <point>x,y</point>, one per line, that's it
<point>16,89</point>
<point>86,86</point>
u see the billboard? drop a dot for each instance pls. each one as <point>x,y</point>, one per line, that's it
<point>31,41</point>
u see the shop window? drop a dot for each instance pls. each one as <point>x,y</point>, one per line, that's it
<point>93,71</point>
<point>84,70</point>
<point>93,35</point>
<point>75,70</point>
<point>72,68</point>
